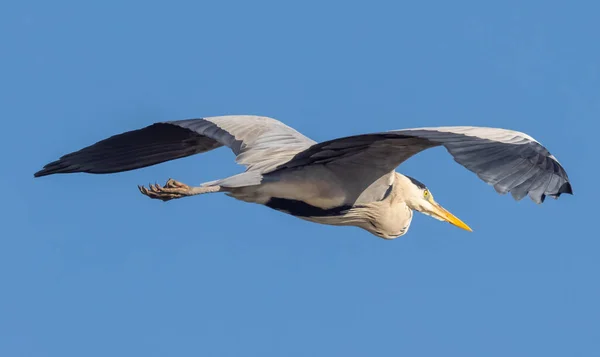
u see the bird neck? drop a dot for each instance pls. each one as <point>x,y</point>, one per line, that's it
<point>403,190</point>
<point>389,218</point>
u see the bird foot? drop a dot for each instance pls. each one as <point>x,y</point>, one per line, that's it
<point>171,190</point>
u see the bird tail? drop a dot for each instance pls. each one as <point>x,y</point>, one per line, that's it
<point>244,179</point>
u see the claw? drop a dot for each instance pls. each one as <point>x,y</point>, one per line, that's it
<point>172,183</point>
<point>171,190</point>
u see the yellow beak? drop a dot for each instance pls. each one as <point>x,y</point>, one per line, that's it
<point>443,214</point>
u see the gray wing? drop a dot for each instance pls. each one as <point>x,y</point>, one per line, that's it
<point>511,161</point>
<point>259,143</point>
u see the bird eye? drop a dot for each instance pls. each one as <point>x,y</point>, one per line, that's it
<point>426,193</point>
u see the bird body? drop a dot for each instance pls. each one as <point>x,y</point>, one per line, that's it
<point>349,181</point>
<point>386,216</point>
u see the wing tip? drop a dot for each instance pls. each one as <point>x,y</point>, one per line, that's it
<point>55,167</point>
<point>565,188</point>
<point>45,171</point>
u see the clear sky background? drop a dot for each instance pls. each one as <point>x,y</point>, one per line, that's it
<point>90,267</point>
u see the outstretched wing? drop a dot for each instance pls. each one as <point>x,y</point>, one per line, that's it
<point>259,143</point>
<point>511,161</point>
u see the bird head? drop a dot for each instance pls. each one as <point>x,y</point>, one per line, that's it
<point>418,197</point>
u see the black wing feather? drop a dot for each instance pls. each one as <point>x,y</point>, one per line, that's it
<point>132,150</point>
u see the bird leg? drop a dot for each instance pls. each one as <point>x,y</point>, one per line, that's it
<point>175,189</point>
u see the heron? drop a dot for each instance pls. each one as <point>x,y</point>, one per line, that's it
<point>348,181</point>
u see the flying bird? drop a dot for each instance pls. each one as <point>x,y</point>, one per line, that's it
<point>349,181</point>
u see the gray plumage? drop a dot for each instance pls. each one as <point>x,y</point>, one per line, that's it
<point>510,161</point>
<point>332,182</point>
<point>260,143</point>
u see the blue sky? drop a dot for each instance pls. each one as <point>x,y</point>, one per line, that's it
<point>89,267</point>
